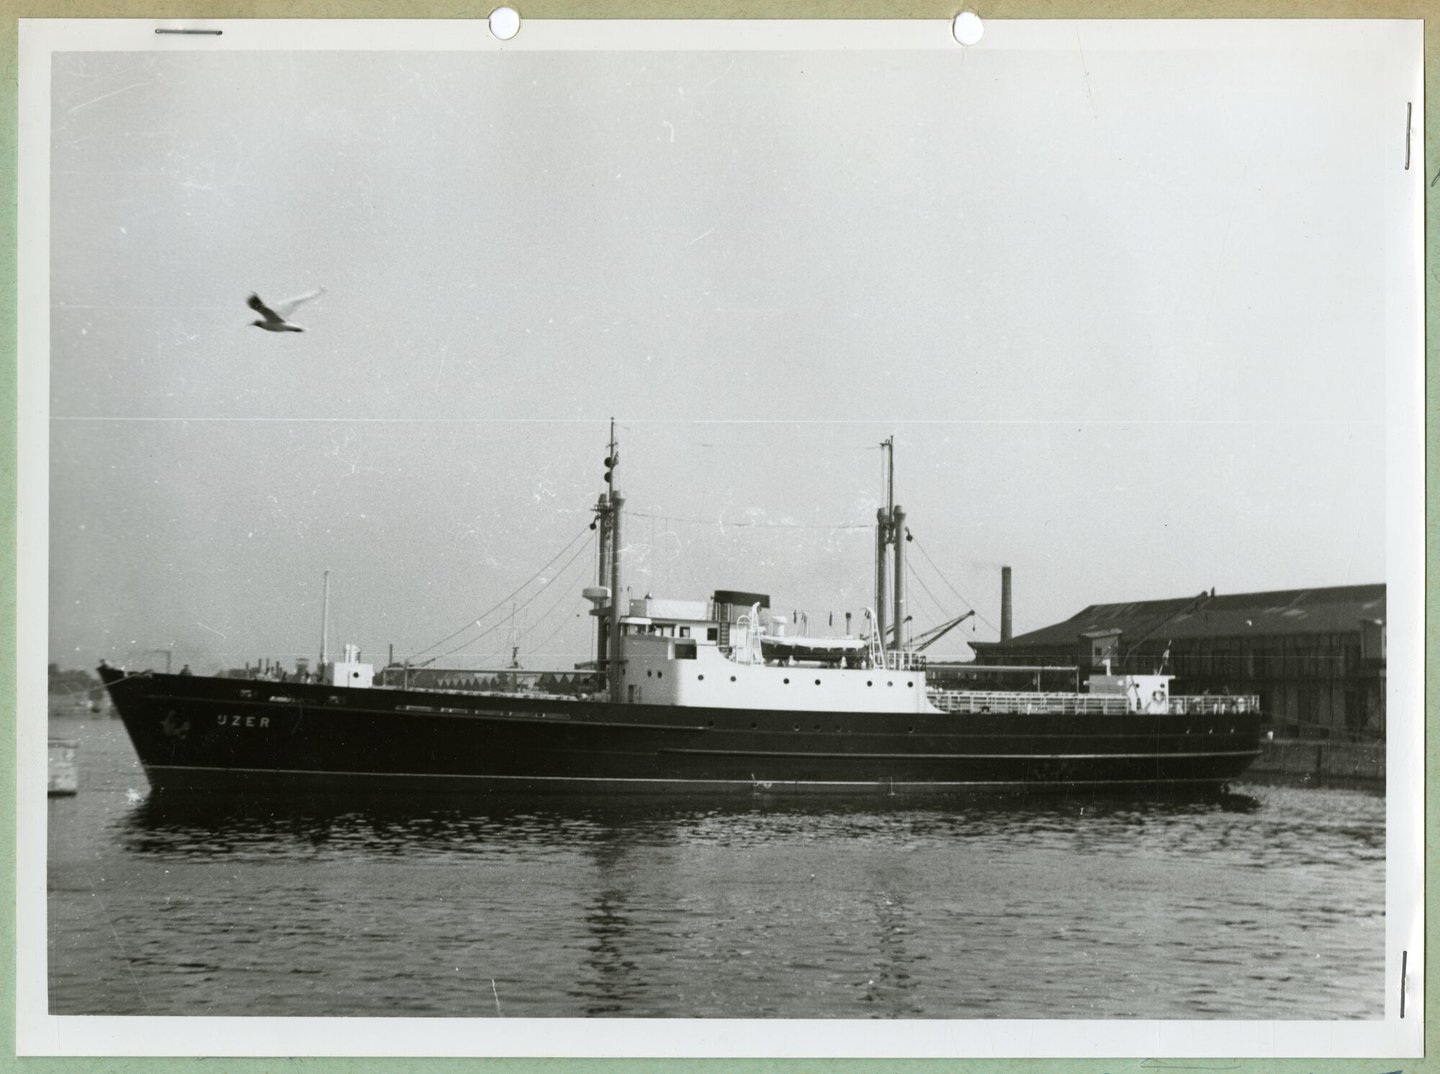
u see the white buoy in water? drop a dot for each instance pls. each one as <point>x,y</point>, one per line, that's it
<point>64,773</point>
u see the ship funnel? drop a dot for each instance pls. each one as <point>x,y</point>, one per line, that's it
<point>1005,624</point>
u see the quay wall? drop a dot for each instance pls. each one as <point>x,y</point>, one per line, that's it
<point>1309,762</point>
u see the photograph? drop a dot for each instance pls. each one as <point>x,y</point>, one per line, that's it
<point>736,538</point>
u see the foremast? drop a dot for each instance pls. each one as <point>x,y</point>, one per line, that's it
<point>606,592</point>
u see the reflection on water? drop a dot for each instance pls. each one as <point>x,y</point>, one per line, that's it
<point>1267,903</point>
<point>200,825</point>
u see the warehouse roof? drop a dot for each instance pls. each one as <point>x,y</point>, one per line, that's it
<point>1333,610</point>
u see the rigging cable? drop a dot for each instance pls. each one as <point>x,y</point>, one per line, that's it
<point>752,525</point>
<point>563,623</point>
<point>476,621</point>
<point>565,593</point>
<point>938,604</point>
<point>519,607</point>
<point>957,592</point>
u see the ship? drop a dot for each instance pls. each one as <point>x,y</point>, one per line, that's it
<point>716,696</point>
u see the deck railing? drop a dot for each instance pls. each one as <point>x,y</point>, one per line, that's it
<point>978,701</point>
<point>1194,705</point>
<point>903,660</point>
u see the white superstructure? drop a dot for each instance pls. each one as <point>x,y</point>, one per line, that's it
<point>690,660</point>
<point>681,653</point>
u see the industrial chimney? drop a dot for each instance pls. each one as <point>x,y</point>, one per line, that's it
<point>1005,604</point>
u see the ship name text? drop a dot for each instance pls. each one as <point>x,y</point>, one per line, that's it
<point>232,720</point>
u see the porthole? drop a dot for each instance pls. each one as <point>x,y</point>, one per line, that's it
<point>817,682</point>
<point>659,674</point>
<point>909,684</point>
<point>787,682</point>
<point>869,683</point>
<point>753,726</point>
<point>647,673</point>
<point>889,684</point>
<point>732,678</point>
<point>702,678</point>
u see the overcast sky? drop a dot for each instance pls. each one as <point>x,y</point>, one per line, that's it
<point>1124,311</point>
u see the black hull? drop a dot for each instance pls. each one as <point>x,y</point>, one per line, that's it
<point>201,734</point>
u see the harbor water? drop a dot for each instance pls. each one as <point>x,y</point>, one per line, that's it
<point>1264,903</point>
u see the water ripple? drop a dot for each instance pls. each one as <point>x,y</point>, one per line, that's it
<point>1263,904</point>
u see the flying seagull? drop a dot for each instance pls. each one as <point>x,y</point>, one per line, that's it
<point>276,322</point>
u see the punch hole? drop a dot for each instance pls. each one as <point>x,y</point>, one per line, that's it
<point>968,28</point>
<point>504,23</point>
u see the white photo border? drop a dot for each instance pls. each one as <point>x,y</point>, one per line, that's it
<point>40,1033</point>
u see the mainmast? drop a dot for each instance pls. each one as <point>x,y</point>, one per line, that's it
<point>890,531</point>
